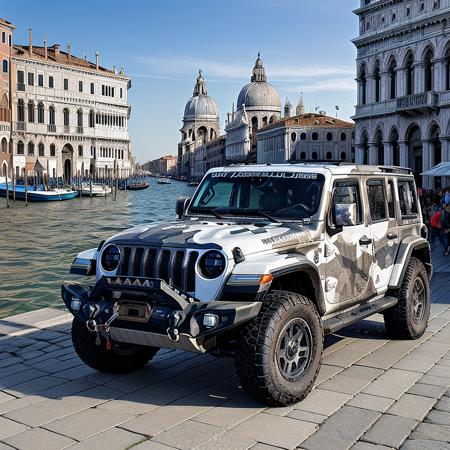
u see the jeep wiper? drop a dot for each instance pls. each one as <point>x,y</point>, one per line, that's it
<point>214,213</point>
<point>267,216</point>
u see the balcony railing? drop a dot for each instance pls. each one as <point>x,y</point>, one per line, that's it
<point>21,126</point>
<point>414,102</point>
<point>21,87</point>
<point>66,129</point>
<point>51,128</point>
<point>79,130</point>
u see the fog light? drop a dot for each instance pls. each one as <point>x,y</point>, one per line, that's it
<point>210,320</point>
<point>75,304</point>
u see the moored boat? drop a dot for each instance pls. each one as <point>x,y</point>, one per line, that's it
<point>137,185</point>
<point>163,181</point>
<point>94,190</point>
<point>33,195</point>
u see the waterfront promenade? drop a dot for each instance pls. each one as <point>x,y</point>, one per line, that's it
<point>372,393</point>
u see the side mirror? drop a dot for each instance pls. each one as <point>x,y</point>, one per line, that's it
<point>181,206</point>
<point>345,214</point>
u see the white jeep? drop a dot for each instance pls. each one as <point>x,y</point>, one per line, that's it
<point>261,263</point>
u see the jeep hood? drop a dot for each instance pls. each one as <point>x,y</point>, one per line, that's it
<point>223,235</point>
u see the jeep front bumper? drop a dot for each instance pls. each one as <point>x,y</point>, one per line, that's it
<point>147,311</point>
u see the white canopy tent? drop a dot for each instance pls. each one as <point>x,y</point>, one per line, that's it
<point>440,170</point>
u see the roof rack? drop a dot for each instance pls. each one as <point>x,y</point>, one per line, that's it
<point>335,162</point>
<point>395,169</point>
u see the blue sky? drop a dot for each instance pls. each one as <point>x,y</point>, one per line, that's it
<point>305,46</point>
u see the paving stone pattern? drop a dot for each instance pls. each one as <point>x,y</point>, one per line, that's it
<point>371,394</point>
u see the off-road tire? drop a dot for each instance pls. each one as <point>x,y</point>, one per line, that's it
<point>399,320</point>
<point>256,361</point>
<point>122,358</point>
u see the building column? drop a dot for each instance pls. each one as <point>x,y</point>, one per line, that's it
<point>427,182</point>
<point>388,153</point>
<point>373,153</point>
<point>370,89</point>
<point>403,153</point>
<point>419,77</point>
<point>401,85</point>
<point>439,74</point>
<point>445,155</point>
<point>359,154</point>
<point>385,85</point>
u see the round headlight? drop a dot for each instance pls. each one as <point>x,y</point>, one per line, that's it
<point>212,264</point>
<point>110,258</point>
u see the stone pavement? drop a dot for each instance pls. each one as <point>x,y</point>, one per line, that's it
<point>372,393</point>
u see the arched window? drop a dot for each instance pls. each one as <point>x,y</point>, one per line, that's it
<point>343,136</point>
<point>264,121</point>
<point>20,148</point>
<point>303,136</point>
<point>40,112</point>
<point>31,111</point>
<point>303,155</point>
<point>66,115</point>
<point>20,110</point>
<point>293,136</point>
<point>409,74</point>
<point>52,150</point>
<point>30,148</point>
<point>91,118</point>
<point>315,155</point>
<point>80,151</point>
<point>363,86</point>
<point>254,123</point>
<point>329,137</point>
<point>392,71</point>
<point>5,66</point>
<point>80,117</point>
<point>41,149</point>
<point>329,155</point>
<point>428,68</point>
<point>314,136</point>
<point>377,81</point>
<point>51,115</point>
<point>343,156</point>
<point>4,145</point>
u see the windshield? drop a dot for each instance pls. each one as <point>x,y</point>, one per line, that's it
<point>288,195</point>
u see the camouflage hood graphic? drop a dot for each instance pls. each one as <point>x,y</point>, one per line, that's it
<point>221,235</point>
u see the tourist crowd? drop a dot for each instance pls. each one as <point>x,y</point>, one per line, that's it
<point>436,215</point>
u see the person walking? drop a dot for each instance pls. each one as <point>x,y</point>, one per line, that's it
<point>445,220</point>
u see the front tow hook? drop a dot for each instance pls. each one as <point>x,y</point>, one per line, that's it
<point>172,330</point>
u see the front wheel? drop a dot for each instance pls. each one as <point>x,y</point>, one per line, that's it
<point>279,352</point>
<point>408,319</point>
<point>121,358</point>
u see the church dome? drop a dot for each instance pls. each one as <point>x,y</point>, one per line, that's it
<point>259,93</point>
<point>201,106</point>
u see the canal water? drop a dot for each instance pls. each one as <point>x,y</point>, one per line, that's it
<point>39,242</point>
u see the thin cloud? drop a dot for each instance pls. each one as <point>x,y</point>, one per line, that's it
<point>329,85</point>
<point>174,67</point>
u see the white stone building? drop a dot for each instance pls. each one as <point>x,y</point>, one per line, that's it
<point>200,125</point>
<point>403,75</point>
<point>258,105</point>
<point>68,113</point>
<point>305,137</point>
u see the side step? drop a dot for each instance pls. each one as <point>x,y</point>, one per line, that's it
<point>347,318</point>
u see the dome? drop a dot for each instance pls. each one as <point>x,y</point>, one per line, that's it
<point>201,105</point>
<point>259,93</point>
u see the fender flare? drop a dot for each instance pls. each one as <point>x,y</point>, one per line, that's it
<point>407,246</point>
<point>311,270</point>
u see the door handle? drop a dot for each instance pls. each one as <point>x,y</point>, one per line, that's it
<point>365,241</point>
<point>391,236</point>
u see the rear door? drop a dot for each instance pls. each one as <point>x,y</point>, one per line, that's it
<point>380,198</point>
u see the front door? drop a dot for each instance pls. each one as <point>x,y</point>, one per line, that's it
<point>348,251</point>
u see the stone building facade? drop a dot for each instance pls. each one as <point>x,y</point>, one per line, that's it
<point>164,166</point>
<point>207,156</point>
<point>68,113</point>
<point>6,33</point>
<point>305,137</point>
<point>200,125</point>
<point>403,76</point>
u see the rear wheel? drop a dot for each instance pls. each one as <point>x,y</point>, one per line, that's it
<point>121,358</point>
<point>408,319</point>
<point>279,352</point>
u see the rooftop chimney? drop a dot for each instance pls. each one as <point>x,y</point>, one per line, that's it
<point>56,48</point>
<point>45,47</point>
<point>30,40</point>
<point>96,59</point>
<point>69,50</point>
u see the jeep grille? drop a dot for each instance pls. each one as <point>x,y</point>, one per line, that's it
<point>175,266</point>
